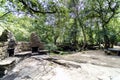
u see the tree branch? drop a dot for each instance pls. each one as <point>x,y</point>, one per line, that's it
<point>36,11</point>
<point>5,14</point>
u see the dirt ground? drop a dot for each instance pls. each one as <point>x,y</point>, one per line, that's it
<point>95,57</point>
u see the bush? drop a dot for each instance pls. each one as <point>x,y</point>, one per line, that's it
<point>51,47</point>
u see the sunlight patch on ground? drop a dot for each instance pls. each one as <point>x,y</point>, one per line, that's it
<point>61,74</point>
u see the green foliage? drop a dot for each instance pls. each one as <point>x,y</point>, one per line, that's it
<point>69,21</point>
<point>51,47</point>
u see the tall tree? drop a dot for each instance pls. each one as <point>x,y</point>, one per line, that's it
<point>105,10</point>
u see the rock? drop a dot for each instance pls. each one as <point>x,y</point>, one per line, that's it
<point>36,68</point>
<point>11,44</point>
<point>11,36</point>
<point>68,63</point>
<point>7,61</point>
<point>22,46</point>
<point>116,78</point>
<point>2,72</point>
<point>34,40</point>
<point>3,52</point>
<point>23,54</point>
<point>59,61</point>
<point>41,46</point>
<point>25,46</point>
<point>7,64</point>
<point>11,47</point>
<point>4,36</point>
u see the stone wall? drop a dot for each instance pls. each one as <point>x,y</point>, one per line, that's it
<point>25,46</point>
<point>3,50</point>
<point>21,47</point>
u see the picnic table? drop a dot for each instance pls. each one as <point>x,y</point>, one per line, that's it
<point>116,50</point>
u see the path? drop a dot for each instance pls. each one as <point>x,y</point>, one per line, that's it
<point>95,57</point>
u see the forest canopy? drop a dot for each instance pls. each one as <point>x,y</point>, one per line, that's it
<point>67,23</point>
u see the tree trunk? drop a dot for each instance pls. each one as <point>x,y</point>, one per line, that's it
<point>106,38</point>
<point>85,41</point>
<point>84,35</point>
<point>98,34</point>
